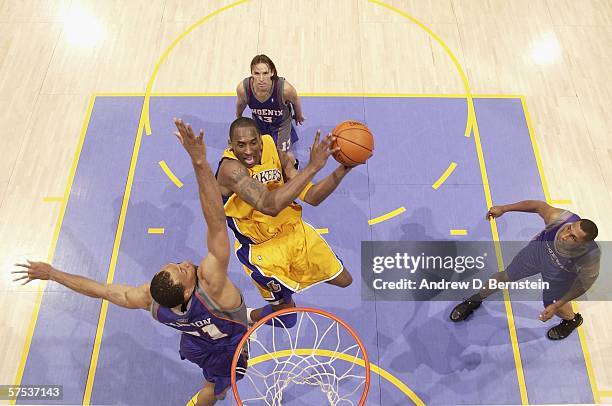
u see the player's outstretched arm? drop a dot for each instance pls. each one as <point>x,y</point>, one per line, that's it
<point>210,195</point>
<point>130,297</point>
<point>318,192</point>
<point>546,211</point>
<point>236,177</point>
<point>241,100</point>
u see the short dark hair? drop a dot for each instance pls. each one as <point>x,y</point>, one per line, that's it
<point>264,59</point>
<point>165,291</point>
<point>242,122</point>
<point>589,228</point>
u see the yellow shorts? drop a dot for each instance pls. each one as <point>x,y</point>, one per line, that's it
<point>294,260</point>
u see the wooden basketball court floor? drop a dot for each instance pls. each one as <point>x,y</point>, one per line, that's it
<point>66,64</point>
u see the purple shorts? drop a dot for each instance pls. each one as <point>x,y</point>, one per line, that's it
<point>216,365</point>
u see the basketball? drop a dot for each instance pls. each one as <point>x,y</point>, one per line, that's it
<point>355,141</point>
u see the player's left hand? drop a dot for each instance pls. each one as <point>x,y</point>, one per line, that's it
<point>299,119</point>
<point>193,144</point>
<point>34,270</point>
<point>549,311</point>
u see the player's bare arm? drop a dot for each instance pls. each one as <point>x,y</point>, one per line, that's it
<point>291,95</point>
<point>322,189</point>
<point>546,211</point>
<point>236,178</point>
<point>587,275</point>
<point>585,279</point>
<point>212,271</point>
<point>241,100</point>
<point>129,297</point>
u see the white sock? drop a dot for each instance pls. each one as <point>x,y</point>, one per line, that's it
<point>249,311</point>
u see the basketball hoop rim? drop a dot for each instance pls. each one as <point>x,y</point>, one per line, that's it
<point>337,319</point>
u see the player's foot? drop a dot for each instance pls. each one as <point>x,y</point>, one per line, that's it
<point>565,328</point>
<point>463,310</point>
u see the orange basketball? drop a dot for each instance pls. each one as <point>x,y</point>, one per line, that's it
<point>355,141</point>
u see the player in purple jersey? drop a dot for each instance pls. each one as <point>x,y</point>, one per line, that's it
<point>564,253</point>
<point>200,301</point>
<point>271,99</point>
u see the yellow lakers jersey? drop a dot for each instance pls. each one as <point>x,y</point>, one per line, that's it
<point>249,225</point>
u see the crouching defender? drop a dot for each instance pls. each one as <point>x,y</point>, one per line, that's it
<point>564,253</point>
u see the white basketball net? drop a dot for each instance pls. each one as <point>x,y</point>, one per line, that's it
<point>317,352</point>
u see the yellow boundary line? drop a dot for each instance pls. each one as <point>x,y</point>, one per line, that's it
<point>581,334</point>
<point>322,230</point>
<point>606,393</point>
<point>458,232</point>
<point>170,174</point>
<point>53,199</point>
<point>113,263</point>
<point>54,239</point>
<point>500,264</point>
<point>387,216</point>
<point>444,176</point>
<point>561,201</point>
<point>340,355</point>
<point>152,230</point>
<point>382,95</point>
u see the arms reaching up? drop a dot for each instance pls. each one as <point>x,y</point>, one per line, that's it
<point>210,196</point>
<point>212,272</point>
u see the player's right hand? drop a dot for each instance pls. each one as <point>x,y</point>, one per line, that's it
<point>495,212</point>
<point>193,144</point>
<point>320,151</point>
<point>35,270</point>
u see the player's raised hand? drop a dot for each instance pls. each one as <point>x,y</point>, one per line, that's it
<point>193,144</point>
<point>32,271</point>
<point>495,212</point>
<point>321,150</point>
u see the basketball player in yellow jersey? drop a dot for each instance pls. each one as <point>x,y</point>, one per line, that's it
<point>279,251</point>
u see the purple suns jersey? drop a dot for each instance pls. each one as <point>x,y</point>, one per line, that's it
<point>565,261</point>
<point>272,113</point>
<point>218,329</point>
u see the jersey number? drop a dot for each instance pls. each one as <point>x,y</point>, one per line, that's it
<point>266,119</point>
<point>273,286</point>
<point>210,330</point>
